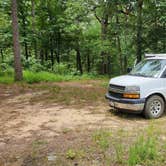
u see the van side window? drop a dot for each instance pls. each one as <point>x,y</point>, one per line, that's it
<point>164,74</point>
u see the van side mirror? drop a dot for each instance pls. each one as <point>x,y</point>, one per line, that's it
<point>129,69</point>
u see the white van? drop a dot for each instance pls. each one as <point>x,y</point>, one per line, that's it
<point>143,90</point>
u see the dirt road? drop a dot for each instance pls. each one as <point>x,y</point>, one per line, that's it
<point>35,112</point>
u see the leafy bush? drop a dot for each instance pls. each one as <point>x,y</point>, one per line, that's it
<point>61,69</point>
<point>5,70</point>
<point>33,65</point>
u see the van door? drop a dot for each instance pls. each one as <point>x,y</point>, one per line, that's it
<point>164,82</point>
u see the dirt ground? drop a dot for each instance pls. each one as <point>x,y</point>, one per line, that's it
<point>28,123</point>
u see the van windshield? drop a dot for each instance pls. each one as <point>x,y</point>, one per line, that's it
<point>149,68</point>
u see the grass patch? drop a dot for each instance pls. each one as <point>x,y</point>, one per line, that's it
<point>31,77</point>
<point>79,96</point>
<point>6,79</point>
<point>102,139</point>
<point>72,154</point>
<point>143,151</point>
<point>36,77</point>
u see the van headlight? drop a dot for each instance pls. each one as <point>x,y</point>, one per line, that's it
<point>132,92</point>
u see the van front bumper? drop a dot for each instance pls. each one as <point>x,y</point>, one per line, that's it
<point>134,105</point>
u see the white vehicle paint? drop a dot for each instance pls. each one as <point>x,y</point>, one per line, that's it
<point>147,79</point>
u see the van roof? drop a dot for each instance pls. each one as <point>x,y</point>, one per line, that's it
<point>155,56</point>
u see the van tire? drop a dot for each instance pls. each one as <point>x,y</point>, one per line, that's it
<point>154,107</point>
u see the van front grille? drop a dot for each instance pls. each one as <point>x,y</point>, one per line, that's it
<point>116,90</point>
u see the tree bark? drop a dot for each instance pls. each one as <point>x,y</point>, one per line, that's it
<point>16,45</point>
<point>52,52</point>
<point>88,63</point>
<point>2,56</point>
<point>25,39</point>
<point>104,54</point>
<point>42,56</point>
<point>139,30</point>
<point>23,19</point>
<point>120,54</point>
<point>46,54</point>
<point>78,61</point>
<point>104,28</point>
<point>33,28</point>
<point>119,48</point>
<point>58,44</point>
<point>164,45</point>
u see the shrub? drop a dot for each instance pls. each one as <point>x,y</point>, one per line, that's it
<point>32,64</point>
<point>61,69</point>
<point>5,70</point>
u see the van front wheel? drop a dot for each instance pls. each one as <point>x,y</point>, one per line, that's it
<point>154,107</point>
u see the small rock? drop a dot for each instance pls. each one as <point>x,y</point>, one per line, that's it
<point>51,157</point>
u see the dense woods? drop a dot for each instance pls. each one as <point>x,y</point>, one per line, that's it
<point>77,37</point>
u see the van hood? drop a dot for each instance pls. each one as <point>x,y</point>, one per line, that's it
<point>129,80</point>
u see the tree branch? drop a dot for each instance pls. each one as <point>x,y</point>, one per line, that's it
<point>94,9</point>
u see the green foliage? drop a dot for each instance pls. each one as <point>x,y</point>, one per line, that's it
<point>6,80</point>
<point>61,69</point>
<point>52,31</point>
<point>33,65</point>
<point>119,150</point>
<point>32,77</point>
<point>144,150</point>
<point>71,154</point>
<point>102,138</point>
<point>5,69</point>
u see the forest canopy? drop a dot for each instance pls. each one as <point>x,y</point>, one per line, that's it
<point>83,36</point>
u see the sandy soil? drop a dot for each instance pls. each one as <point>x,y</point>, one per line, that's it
<point>21,121</point>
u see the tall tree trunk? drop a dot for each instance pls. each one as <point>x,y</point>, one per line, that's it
<point>42,56</point>
<point>25,39</point>
<point>52,52</point>
<point>2,56</point>
<point>24,31</point>
<point>78,60</point>
<point>125,64</point>
<point>16,45</point>
<point>104,29</point>
<point>119,48</point>
<point>139,30</point>
<point>104,54</point>
<point>26,49</point>
<point>164,41</point>
<point>58,47</point>
<point>46,54</point>
<point>155,47</point>
<point>88,63</point>
<point>33,28</point>
<point>57,57</point>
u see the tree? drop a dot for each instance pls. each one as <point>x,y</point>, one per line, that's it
<point>16,45</point>
<point>139,30</point>
<point>98,36</point>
